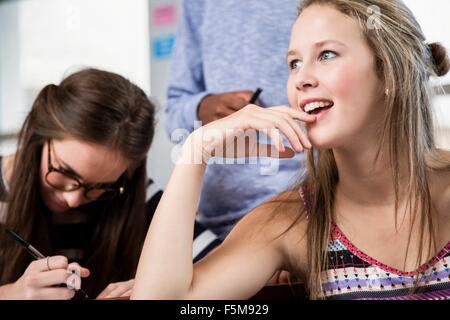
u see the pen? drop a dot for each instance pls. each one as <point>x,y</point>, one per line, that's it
<point>33,251</point>
<point>255,95</point>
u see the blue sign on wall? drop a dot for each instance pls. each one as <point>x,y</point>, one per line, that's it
<point>162,46</point>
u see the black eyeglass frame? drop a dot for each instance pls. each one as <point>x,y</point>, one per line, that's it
<point>108,187</point>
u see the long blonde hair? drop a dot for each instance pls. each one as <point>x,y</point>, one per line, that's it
<point>404,64</point>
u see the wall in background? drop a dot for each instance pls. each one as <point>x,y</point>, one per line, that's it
<point>12,95</point>
<point>43,41</point>
<point>433,16</point>
<point>163,23</point>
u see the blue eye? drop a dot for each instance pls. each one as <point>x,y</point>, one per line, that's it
<point>295,64</point>
<point>326,55</point>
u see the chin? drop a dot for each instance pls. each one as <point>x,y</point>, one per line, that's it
<point>321,140</point>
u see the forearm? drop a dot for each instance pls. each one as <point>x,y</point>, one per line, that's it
<point>165,268</point>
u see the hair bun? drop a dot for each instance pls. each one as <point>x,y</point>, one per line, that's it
<point>441,62</point>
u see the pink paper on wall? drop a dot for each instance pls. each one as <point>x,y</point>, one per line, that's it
<point>164,15</point>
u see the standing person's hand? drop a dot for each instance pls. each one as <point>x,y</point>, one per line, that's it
<point>217,106</point>
<point>43,279</point>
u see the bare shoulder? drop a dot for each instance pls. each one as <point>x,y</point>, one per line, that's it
<point>277,213</point>
<point>285,209</point>
<point>280,221</point>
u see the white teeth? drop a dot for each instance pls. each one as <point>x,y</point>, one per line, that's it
<point>314,105</point>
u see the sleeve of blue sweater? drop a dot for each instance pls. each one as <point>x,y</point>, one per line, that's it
<point>186,84</point>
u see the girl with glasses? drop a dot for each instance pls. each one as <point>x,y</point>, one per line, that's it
<point>76,189</point>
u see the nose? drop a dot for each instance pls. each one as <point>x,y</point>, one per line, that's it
<point>305,79</point>
<point>74,198</point>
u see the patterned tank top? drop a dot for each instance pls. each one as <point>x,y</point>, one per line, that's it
<point>353,275</point>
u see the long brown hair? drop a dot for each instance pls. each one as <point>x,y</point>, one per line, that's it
<point>97,107</point>
<point>404,63</point>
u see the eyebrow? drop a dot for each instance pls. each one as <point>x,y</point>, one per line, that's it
<point>324,42</point>
<point>291,53</point>
<point>317,45</point>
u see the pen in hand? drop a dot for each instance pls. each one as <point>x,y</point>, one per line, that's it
<point>34,252</point>
<point>255,95</point>
<point>31,250</point>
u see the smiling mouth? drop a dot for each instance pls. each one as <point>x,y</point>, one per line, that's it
<point>317,107</point>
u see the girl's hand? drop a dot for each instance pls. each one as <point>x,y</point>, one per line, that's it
<point>40,282</point>
<point>117,289</point>
<point>235,135</point>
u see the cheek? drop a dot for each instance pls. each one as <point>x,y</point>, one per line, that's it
<point>291,93</point>
<point>42,172</point>
<point>354,91</point>
<point>45,188</point>
<point>348,83</point>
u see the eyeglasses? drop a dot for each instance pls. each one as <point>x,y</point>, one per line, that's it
<point>63,180</point>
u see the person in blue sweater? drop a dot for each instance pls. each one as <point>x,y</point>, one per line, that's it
<point>224,50</point>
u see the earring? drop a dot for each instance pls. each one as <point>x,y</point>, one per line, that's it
<point>386,93</point>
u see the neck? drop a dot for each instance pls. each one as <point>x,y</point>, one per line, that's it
<point>365,181</point>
